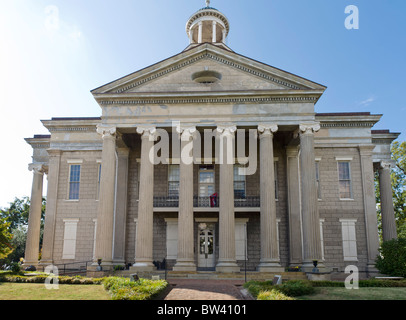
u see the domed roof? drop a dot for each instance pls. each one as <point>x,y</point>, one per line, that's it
<point>207,25</point>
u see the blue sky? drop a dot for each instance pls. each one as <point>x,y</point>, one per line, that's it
<point>54,52</point>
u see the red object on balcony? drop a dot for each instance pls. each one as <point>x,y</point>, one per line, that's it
<point>213,200</point>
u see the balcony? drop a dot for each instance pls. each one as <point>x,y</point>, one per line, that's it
<point>207,202</point>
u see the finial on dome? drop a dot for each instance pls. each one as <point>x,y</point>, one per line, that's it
<point>207,3</point>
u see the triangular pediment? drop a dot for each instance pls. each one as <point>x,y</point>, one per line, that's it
<point>236,73</point>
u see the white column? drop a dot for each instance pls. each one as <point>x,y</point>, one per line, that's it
<point>34,218</point>
<point>105,213</point>
<point>310,211</point>
<point>269,234</point>
<point>144,237</point>
<point>227,260</point>
<point>224,35</point>
<point>50,213</point>
<point>368,192</point>
<point>389,231</point>
<point>120,219</point>
<point>185,260</point>
<point>200,38</point>
<point>295,233</point>
<point>214,32</point>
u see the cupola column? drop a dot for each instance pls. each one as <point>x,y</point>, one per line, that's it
<point>214,32</point>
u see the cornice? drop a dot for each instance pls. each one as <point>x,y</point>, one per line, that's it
<point>213,98</point>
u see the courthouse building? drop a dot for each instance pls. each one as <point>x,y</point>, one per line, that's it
<point>212,161</point>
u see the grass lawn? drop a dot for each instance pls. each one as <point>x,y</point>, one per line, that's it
<point>359,294</point>
<point>37,291</point>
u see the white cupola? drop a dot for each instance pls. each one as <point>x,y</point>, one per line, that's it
<point>208,25</point>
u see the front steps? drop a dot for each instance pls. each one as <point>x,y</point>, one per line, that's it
<point>211,275</point>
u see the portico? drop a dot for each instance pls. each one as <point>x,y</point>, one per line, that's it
<point>211,161</point>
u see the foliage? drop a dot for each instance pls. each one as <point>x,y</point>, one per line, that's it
<point>291,288</point>
<point>125,289</point>
<point>273,295</point>
<point>5,239</point>
<point>17,218</point>
<point>295,288</point>
<point>18,212</point>
<point>392,258</point>
<point>21,278</point>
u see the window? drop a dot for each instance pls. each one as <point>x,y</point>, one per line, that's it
<point>344,177</point>
<point>349,239</point>
<point>206,181</point>
<point>74,181</point>
<point>69,238</point>
<point>318,180</point>
<point>173,180</point>
<point>239,184</point>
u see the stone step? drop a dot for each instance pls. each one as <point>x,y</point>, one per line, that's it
<point>210,275</point>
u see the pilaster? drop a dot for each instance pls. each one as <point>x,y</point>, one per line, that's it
<point>295,232</point>
<point>51,207</point>
<point>121,206</point>
<point>371,220</point>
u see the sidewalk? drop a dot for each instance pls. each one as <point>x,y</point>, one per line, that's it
<point>183,289</point>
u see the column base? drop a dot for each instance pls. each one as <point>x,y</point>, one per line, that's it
<point>227,266</point>
<point>270,266</point>
<point>143,266</point>
<point>185,265</point>
<point>308,267</point>
<point>105,266</point>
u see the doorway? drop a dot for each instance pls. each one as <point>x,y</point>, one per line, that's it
<point>206,245</point>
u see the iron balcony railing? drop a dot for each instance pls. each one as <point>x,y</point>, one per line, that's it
<point>207,202</point>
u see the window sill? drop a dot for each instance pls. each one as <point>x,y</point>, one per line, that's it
<point>346,199</point>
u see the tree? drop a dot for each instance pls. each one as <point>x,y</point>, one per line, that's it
<point>18,212</point>
<point>5,239</point>
<point>15,220</point>
<point>398,178</point>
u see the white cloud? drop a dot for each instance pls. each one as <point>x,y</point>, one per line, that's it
<point>367,102</point>
<point>55,26</point>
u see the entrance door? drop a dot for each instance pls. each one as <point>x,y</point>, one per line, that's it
<point>206,249</point>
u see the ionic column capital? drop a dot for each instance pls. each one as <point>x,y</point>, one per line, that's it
<point>388,164</point>
<point>37,168</point>
<point>267,129</point>
<point>147,132</point>
<point>106,131</point>
<point>186,132</point>
<point>309,128</point>
<point>227,130</point>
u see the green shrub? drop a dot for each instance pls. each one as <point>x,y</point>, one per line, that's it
<point>327,283</point>
<point>291,288</point>
<point>392,258</point>
<point>125,289</point>
<point>15,267</point>
<point>273,295</point>
<point>295,288</point>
